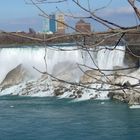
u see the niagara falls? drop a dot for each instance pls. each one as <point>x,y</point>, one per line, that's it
<point>70,70</point>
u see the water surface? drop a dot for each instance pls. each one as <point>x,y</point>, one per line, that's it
<point>26,118</point>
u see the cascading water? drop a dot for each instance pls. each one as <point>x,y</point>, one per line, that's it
<point>59,63</point>
<point>107,59</point>
<point>29,57</point>
<point>104,57</point>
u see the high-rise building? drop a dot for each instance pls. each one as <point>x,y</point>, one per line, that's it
<point>46,25</point>
<point>52,23</point>
<point>61,24</point>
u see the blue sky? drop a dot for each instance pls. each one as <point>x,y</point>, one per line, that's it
<point>17,15</point>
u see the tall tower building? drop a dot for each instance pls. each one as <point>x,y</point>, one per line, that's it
<point>52,23</point>
<point>55,23</point>
<point>46,25</point>
<point>61,24</point>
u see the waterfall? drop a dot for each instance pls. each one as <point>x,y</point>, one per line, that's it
<point>68,56</point>
<point>34,57</point>
<point>61,64</point>
<point>107,59</point>
<point>29,57</point>
<point>104,57</point>
<point>58,61</point>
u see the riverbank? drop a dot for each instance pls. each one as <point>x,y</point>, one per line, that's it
<point>22,39</point>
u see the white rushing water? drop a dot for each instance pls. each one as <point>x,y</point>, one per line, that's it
<point>107,59</point>
<point>60,63</point>
<point>29,57</point>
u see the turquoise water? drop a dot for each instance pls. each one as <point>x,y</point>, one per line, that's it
<point>25,118</point>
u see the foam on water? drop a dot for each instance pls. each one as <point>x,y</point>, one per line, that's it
<point>134,106</point>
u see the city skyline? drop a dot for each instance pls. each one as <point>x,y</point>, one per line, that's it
<point>17,15</point>
<point>55,23</point>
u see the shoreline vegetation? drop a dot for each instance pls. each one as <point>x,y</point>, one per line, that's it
<point>92,38</point>
<point>22,39</point>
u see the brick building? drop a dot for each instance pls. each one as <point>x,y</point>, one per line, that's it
<point>82,26</point>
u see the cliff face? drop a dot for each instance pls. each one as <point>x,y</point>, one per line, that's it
<point>15,76</point>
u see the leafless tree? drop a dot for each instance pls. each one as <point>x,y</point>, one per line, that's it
<point>114,30</point>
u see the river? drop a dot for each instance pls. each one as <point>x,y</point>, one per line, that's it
<point>62,119</point>
<point>26,117</point>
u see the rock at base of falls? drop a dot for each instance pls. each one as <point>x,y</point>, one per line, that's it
<point>47,86</point>
<point>14,77</point>
<point>130,85</point>
<point>129,96</point>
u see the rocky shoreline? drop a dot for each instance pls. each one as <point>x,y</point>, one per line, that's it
<point>93,86</point>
